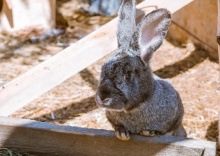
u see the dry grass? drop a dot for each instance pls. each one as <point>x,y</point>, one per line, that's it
<point>8,152</point>
<point>191,71</point>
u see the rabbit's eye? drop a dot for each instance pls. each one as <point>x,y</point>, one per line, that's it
<point>127,76</point>
<point>137,72</point>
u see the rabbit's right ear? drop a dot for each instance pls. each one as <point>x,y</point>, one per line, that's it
<point>126,23</point>
<point>151,32</point>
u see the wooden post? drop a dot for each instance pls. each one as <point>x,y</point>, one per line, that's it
<point>8,12</point>
<point>40,138</point>
<point>22,14</point>
<point>194,24</point>
<point>53,13</point>
<point>27,87</point>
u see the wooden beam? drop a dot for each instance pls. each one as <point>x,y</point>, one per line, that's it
<point>27,87</point>
<point>8,12</point>
<point>48,139</point>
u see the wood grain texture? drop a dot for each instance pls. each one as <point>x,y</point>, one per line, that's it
<point>70,61</point>
<point>47,139</point>
<point>197,22</point>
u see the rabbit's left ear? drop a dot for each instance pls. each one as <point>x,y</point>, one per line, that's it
<point>126,23</point>
<point>151,32</point>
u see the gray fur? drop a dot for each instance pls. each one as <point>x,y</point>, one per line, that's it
<point>136,100</point>
<point>126,23</point>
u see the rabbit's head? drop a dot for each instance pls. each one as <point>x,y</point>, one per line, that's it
<point>126,78</point>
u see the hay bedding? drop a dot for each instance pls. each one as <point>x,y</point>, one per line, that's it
<point>190,70</point>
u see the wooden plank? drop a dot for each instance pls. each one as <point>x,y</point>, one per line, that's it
<point>22,14</point>
<point>193,24</point>
<point>48,139</point>
<point>70,61</point>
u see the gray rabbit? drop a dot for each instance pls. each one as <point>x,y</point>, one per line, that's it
<point>136,100</point>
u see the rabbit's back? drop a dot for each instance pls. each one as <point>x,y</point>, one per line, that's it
<point>161,112</point>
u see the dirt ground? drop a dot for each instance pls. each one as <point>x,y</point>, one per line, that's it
<point>191,71</point>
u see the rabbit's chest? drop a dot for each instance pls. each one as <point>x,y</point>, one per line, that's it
<point>144,118</point>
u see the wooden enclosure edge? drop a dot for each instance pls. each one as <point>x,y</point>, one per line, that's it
<point>48,139</point>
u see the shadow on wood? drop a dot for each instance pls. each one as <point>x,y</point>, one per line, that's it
<point>87,76</point>
<point>71,111</point>
<point>195,58</point>
<point>197,22</point>
<point>47,139</point>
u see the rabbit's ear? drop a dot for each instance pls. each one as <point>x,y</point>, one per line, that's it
<point>126,23</point>
<point>151,32</point>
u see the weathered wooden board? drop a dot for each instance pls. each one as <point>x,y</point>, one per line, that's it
<point>48,139</point>
<point>70,61</point>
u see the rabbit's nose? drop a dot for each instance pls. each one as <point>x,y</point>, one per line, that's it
<point>106,101</point>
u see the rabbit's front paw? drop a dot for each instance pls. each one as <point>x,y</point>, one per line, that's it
<point>149,133</point>
<point>122,134</point>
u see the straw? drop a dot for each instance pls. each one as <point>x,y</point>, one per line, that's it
<point>218,34</point>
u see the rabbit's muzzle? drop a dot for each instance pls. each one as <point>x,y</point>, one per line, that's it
<point>105,102</point>
<point>109,96</point>
<point>103,95</point>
